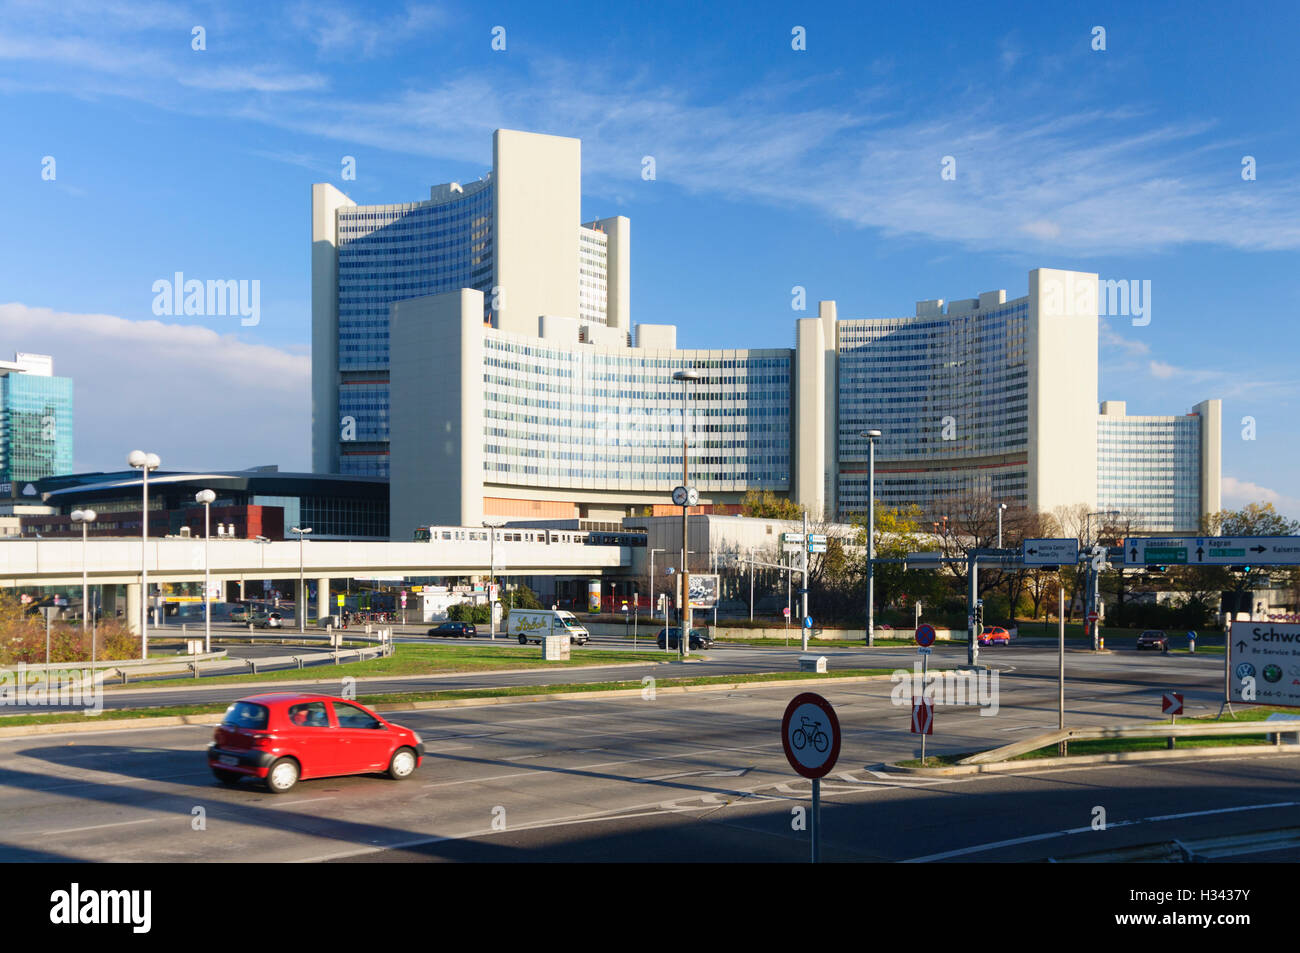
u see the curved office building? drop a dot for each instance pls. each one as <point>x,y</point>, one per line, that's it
<point>478,349</point>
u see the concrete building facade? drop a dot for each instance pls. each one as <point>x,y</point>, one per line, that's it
<point>478,349</point>
<point>515,236</point>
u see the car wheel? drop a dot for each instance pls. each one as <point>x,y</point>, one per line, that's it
<point>227,777</point>
<point>402,765</point>
<point>282,776</point>
<point>522,640</point>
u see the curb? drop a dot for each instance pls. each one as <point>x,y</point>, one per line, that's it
<point>362,681</point>
<point>162,721</point>
<point>1035,764</point>
<point>608,693</point>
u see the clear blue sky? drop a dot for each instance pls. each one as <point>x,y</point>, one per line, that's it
<point>775,168</point>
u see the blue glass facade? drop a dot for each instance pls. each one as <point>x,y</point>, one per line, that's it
<point>388,253</point>
<point>35,427</point>
<point>613,419</point>
<point>1149,468</point>
<point>951,395</point>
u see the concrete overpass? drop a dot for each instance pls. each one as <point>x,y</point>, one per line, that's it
<point>111,562</point>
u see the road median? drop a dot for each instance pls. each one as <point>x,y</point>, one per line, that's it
<point>157,717</point>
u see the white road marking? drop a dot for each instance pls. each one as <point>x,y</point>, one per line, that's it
<point>310,800</point>
<point>95,827</point>
<point>980,848</point>
<point>1025,728</point>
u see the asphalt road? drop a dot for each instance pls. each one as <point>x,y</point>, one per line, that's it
<point>676,777</point>
<point>1089,675</point>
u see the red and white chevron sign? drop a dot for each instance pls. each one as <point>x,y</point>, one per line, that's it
<point>922,716</point>
<point>1171,703</point>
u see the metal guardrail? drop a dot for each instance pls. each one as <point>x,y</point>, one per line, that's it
<point>1199,729</point>
<point>1191,851</point>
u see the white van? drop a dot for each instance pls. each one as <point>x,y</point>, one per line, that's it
<point>533,625</point>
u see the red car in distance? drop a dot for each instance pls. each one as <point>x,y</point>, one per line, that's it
<point>994,634</point>
<point>283,737</point>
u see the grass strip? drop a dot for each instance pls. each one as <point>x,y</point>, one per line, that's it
<point>506,691</point>
<point>419,660</point>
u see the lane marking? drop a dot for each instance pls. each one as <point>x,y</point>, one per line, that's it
<point>980,848</point>
<point>96,827</point>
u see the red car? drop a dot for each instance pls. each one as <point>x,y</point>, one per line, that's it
<point>994,634</point>
<point>282,737</point>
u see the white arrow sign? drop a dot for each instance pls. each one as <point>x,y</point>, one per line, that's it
<point>1050,552</point>
<point>1213,551</point>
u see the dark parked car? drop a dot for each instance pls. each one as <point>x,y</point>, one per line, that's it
<point>454,630</point>
<point>699,638</point>
<point>281,737</point>
<point>1153,639</point>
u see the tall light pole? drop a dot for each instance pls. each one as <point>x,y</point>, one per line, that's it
<point>871,436</point>
<point>492,571</point>
<point>1094,589</point>
<point>685,501</point>
<point>85,518</point>
<point>1001,508</point>
<point>206,497</point>
<point>652,585</point>
<point>301,608</point>
<point>144,462</point>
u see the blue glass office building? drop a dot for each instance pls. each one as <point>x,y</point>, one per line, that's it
<point>35,420</point>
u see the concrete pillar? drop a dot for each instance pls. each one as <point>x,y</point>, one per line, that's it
<point>323,598</point>
<point>132,614</point>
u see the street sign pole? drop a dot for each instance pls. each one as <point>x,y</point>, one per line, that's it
<point>815,828</point>
<point>804,549</point>
<point>811,751</point>
<point>1060,665</point>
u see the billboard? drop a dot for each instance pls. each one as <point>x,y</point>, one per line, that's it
<point>704,591</point>
<point>593,595</point>
<point>1262,666</point>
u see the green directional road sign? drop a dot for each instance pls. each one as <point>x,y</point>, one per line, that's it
<point>1165,555</point>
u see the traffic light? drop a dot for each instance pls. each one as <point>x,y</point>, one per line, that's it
<point>979,615</point>
<point>1157,569</point>
<point>1239,568</point>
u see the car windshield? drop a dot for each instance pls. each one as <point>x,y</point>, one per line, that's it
<point>245,715</point>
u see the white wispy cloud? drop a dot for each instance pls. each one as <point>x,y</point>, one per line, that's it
<point>336,30</point>
<point>196,397</point>
<point>1237,493</point>
<point>1032,177</point>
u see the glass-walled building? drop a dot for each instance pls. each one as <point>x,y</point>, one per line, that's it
<point>515,235</point>
<point>1154,469</point>
<point>950,395</point>
<point>35,419</point>
<point>477,350</point>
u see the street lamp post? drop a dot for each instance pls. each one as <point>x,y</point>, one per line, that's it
<point>301,608</point>
<point>871,436</point>
<point>685,641</point>
<point>144,462</point>
<point>206,497</point>
<point>652,584</point>
<point>492,570</point>
<point>1001,508</point>
<point>85,518</point>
